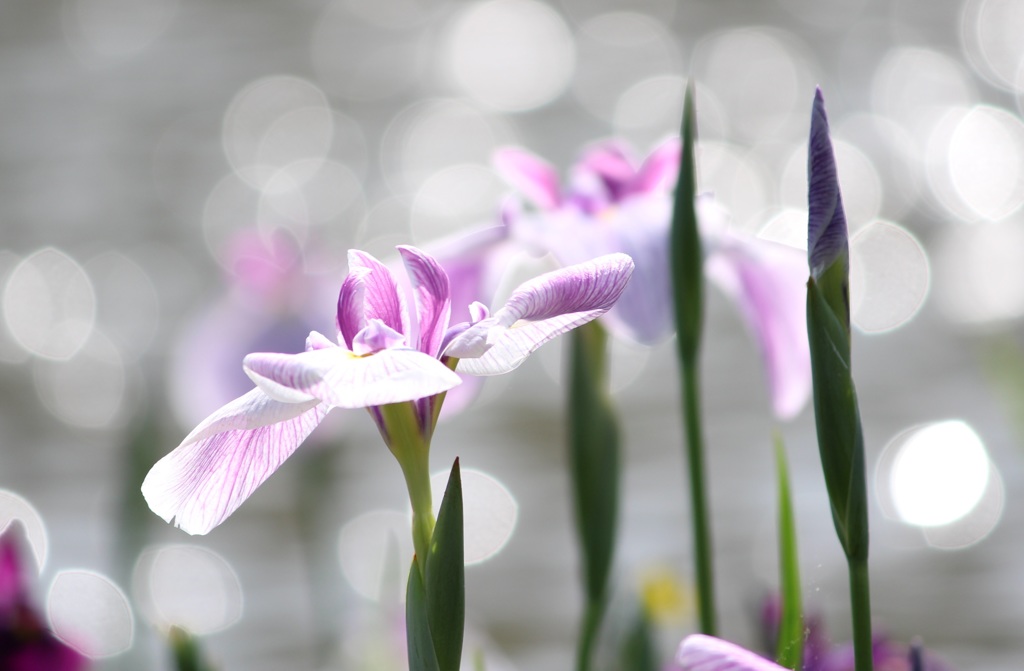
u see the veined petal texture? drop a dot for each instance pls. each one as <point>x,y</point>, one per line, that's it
<point>542,309</point>
<point>826,227</point>
<point>341,379</point>
<point>432,292</point>
<point>206,478</point>
<point>369,292</point>
<point>707,653</point>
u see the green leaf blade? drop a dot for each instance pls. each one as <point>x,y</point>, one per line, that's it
<point>445,578</point>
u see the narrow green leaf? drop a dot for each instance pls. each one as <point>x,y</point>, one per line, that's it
<point>639,653</point>
<point>445,584</point>
<point>417,630</point>
<point>687,261</point>
<point>594,470</point>
<point>687,254</point>
<point>789,647</point>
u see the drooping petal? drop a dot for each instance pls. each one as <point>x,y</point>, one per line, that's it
<point>540,310</point>
<point>369,292</point>
<point>530,175</point>
<point>341,379</point>
<point>202,481</point>
<point>252,410</point>
<point>433,298</point>
<point>826,227</point>
<point>707,653</point>
<point>767,281</point>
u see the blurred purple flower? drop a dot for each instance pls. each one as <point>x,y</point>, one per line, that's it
<point>820,655</point>
<point>270,302</point>
<point>25,642</point>
<point>385,353</point>
<point>614,203</point>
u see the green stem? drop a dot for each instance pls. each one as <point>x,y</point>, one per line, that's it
<point>860,600</point>
<point>698,500</point>
<point>588,634</point>
<point>594,468</point>
<point>412,450</point>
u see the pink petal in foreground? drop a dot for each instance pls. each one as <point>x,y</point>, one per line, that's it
<point>202,481</point>
<point>706,653</point>
<point>533,177</point>
<point>540,310</point>
<point>341,379</point>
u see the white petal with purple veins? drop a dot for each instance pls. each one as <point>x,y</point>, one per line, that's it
<point>540,310</point>
<point>201,482</point>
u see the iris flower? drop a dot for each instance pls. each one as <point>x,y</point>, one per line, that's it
<point>25,642</point>
<point>613,203</point>
<point>393,358</point>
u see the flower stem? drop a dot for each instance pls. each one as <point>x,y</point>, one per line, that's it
<point>698,500</point>
<point>860,601</point>
<point>412,450</point>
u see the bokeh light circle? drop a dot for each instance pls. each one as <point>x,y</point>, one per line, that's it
<point>14,507</point>
<point>615,51</point>
<point>985,161</point>
<point>979,278</point>
<point>49,304</point>
<point>90,613</point>
<point>937,474</point>
<point>489,512</point>
<point>761,77</point>
<point>889,277</point>
<point>188,586</point>
<point>431,135</point>
<point>511,55</point>
<point>88,390</point>
<point>455,199</point>
<point>991,38</point>
<point>275,121</point>
<point>375,550</point>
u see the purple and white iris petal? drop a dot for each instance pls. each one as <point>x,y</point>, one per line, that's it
<point>376,336</point>
<point>540,310</point>
<point>369,292</point>
<point>433,297</point>
<point>706,653</point>
<point>529,174</point>
<point>202,481</point>
<point>341,379</point>
<point>767,281</point>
